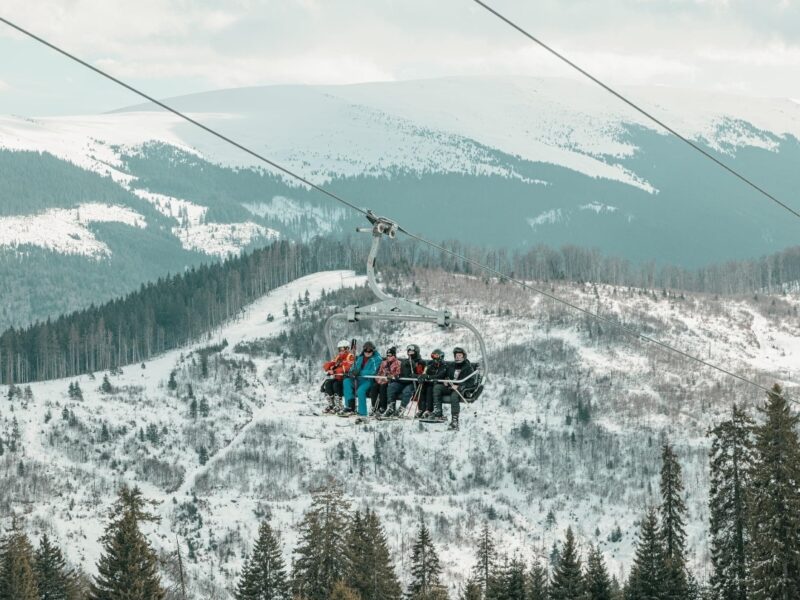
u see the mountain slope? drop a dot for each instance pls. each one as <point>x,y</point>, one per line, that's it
<point>571,425</point>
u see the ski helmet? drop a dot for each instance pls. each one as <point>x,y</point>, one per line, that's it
<point>413,348</point>
<point>437,354</point>
<point>368,346</point>
<point>343,344</point>
<point>391,351</point>
<point>459,350</point>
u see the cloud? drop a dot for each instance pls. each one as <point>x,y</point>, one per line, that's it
<point>749,44</point>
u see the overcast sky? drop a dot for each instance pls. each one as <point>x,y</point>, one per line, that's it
<point>172,47</point>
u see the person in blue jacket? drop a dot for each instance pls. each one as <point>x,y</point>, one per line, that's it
<point>356,384</point>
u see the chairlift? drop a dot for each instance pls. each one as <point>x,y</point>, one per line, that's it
<point>389,308</point>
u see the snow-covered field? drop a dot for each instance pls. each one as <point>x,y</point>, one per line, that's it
<point>522,453</point>
<point>66,230</point>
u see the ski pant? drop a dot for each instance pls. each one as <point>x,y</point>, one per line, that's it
<point>378,393</point>
<point>332,387</point>
<point>358,387</point>
<point>404,389</point>
<point>426,397</point>
<point>446,395</point>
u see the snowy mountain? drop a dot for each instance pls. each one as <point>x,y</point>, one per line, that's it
<point>567,433</point>
<point>510,162</point>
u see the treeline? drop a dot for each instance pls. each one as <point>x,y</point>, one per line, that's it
<point>174,310</point>
<point>162,315</point>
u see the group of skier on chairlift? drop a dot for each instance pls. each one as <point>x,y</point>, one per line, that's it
<point>414,381</point>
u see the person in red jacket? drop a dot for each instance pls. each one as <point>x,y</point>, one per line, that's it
<point>336,369</point>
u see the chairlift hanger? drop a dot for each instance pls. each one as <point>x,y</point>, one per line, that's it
<point>389,308</point>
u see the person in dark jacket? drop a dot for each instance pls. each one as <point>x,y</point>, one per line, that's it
<point>436,369</point>
<point>389,369</point>
<point>356,384</point>
<point>411,368</point>
<point>450,393</point>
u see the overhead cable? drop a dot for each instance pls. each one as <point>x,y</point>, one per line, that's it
<point>641,110</point>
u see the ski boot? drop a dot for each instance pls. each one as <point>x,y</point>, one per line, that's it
<point>389,412</point>
<point>453,423</point>
<point>331,408</point>
<point>427,414</point>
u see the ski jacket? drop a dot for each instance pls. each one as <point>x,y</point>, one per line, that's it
<point>436,370</point>
<point>370,367</point>
<point>340,364</point>
<point>390,367</point>
<point>464,369</point>
<point>409,368</point>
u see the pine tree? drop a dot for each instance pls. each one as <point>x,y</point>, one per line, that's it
<point>568,581</point>
<point>598,583</point>
<point>368,563</point>
<point>775,503</point>
<point>106,387</point>
<point>193,409</point>
<point>647,578</point>
<point>17,577</point>
<point>486,557</point>
<point>318,565</point>
<point>264,576</point>
<point>425,567</point>
<point>341,591</point>
<point>128,567</point>
<point>202,455</point>
<point>472,591</point>
<point>172,384</point>
<point>538,583</point>
<point>673,525</point>
<point>731,460</point>
<point>509,583</point>
<point>204,410</point>
<point>52,575</point>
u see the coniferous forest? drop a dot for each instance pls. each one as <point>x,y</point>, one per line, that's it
<point>344,554</point>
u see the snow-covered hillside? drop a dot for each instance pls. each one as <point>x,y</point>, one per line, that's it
<point>441,125</point>
<point>567,433</point>
<point>66,230</point>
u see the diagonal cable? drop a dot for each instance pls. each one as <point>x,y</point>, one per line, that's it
<point>410,234</point>
<point>183,116</point>
<point>641,110</point>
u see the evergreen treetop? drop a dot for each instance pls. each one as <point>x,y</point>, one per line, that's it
<point>264,575</point>
<point>17,576</point>
<point>568,583</point>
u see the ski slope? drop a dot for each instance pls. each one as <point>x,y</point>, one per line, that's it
<point>520,455</point>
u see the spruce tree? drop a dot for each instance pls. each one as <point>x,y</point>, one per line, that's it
<point>52,575</point>
<point>568,581</point>
<point>538,583</point>
<point>486,557</point>
<point>472,591</point>
<point>128,568</point>
<point>368,563</point>
<point>106,387</point>
<point>318,561</point>
<point>425,567</point>
<point>673,525</point>
<point>647,578</point>
<point>731,461</point>
<point>264,576</point>
<point>598,583</point>
<point>775,503</point>
<point>17,576</point>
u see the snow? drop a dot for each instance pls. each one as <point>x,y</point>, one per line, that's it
<point>449,125</point>
<point>286,211</point>
<point>267,449</point>
<point>598,207</point>
<point>174,208</point>
<point>67,230</point>
<point>222,239</point>
<point>547,217</point>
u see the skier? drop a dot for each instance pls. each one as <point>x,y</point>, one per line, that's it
<point>389,369</point>
<point>411,368</point>
<point>357,384</point>
<point>436,369</point>
<point>451,393</point>
<point>336,369</point>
